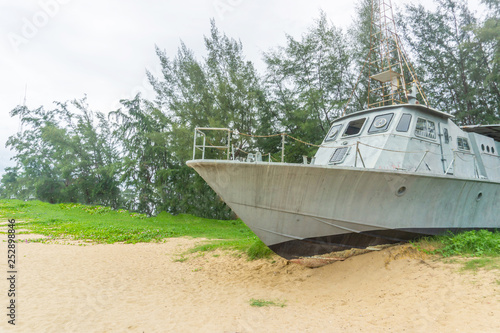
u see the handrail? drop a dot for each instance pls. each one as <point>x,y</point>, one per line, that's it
<point>452,163</point>
<point>420,163</point>
<point>199,130</point>
<point>230,149</point>
<point>360,156</point>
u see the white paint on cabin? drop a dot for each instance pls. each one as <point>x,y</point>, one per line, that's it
<point>410,138</point>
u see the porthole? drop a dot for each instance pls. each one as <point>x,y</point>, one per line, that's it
<point>334,131</point>
<point>380,122</point>
<point>479,196</point>
<point>488,149</point>
<point>482,146</point>
<point>401,191</point>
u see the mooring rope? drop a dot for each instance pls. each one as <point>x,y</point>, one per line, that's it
<point>315,145</point>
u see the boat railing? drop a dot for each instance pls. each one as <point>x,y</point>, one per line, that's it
<point>230,150</point>
<point>456,154</point>
<point>358,153</point>
<point>200,132</point>
<point>448,170</point>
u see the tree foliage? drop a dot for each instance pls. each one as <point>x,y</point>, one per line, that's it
<point>456,55</point>
<point>64,154</point>
<point>308,83</point>
<point>360,42</point>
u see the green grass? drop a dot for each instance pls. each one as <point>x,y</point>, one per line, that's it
<point>471,243</point>
<point>259,250</point>
<point>483,262</point>
<point>180,259</point>
<point>468,244</point>
<point>261,302</point>
<point>482,245</point>
<point>100,224</point>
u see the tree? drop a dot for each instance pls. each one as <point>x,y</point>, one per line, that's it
<point>488,40</point>
<point>458,71</point>
<point>360,33</point>
<point>222,91</point>
<point>143,132</point>
<point>12,186</point>
<point>307,81</point>
<point>65,155</point>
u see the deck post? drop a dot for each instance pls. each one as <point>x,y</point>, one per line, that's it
<point>204,142</point>
<point>360,156</point>
<point>228,142</point>
<point>194,143</point>
<point>356,156</point>
<point>282,147</point>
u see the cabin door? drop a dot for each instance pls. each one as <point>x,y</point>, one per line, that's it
<point>446,149</point>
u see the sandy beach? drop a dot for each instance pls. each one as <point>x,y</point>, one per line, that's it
<point>150,287</point>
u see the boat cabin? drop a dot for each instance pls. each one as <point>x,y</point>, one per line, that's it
<point>414,138</point>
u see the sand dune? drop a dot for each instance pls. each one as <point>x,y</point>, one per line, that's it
<point>145,288</point>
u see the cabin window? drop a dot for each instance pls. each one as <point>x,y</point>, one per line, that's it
<point>404,123</point>
<point>463,143</point>
<point>425,128</point>
<point>354,127</point>
<point>339,154</point>
<point>381,123</point>
<point>446,136</point>
<point>333,132</point>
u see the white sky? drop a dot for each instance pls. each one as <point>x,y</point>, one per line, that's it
<point>64,49</point>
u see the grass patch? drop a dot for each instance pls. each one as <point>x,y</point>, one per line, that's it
<point>482,245</point>
<point>259,250</point>
<point>428,245</point>
<point>254,250</point>
<point>261,303</point>
<point>99,224</point>
<point>486,263</point>
<point>230,244</point>
<point>180,259</point>
<point>471,243</point>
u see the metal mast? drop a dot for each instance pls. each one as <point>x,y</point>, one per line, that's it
<point>387,59</point>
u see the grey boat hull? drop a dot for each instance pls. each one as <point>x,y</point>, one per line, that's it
<point>303,210</point>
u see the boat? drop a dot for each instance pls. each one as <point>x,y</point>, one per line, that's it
<point>394,172</point>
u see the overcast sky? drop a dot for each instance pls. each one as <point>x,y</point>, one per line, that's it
<point>64,49</point>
